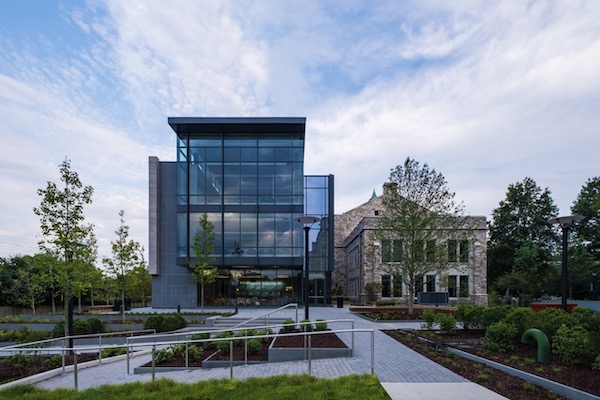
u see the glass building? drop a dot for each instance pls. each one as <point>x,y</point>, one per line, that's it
<point>247,175</point>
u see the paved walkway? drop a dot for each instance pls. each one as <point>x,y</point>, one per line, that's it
<point>403,373</point>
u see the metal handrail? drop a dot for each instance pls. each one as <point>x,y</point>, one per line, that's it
<point>154,345</point>
<point>89,335</point>
<point>289,305</point>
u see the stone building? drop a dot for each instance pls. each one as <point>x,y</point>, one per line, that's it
<point>360,259</point>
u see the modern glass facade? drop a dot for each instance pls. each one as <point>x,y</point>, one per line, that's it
<point>247,175</point>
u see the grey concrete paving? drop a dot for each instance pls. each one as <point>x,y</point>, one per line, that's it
<point>404,373</point>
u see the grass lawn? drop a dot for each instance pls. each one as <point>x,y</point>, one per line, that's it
<point>364,387</point>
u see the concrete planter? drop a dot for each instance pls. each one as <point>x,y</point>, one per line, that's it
<point>210,363</point>
<point>278,354</point>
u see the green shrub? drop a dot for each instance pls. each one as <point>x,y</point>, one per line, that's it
<point>469,315</point>
<point>447,323</point>
<point>81,327</point>
<point>200,336</point>
<point>96,325</point>
<point>500,337</point>
<point>307,327</point>
<point>320,325</point>
<point>113,351</point>
<point>165,322</point>
<point>195,352</point>
<point>21,362</point>
<point>53,362</point>
<point>550,320</point>
<point>59,329</point>
<point>429,318</point>
<point>288,326</point>
<point>254,346</point>
<point>584,317</point>
<point>572,345</point>
<point>28,335</point>
<point>493,314</point>
<point>522,318</point>
<point>162,355</point>
<point>596,364</point>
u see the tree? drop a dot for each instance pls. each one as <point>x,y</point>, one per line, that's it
<point>127,254</point>
<point>588,205</point>
<point>521,237</point>
<point>419,217</point>
<point>65,235</point>
<point>29,284</point>
<point>203,245</point>
<point>138,283</point>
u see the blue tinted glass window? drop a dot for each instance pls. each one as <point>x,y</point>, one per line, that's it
<point>240,140</point>
<point>248,154</point>
<point>266,154</point>
<point>232,154</point>
<point>214,154</point>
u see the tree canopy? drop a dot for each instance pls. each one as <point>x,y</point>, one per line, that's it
<point>420,215</point>
<point>588,205</point>
<point>522,240</point>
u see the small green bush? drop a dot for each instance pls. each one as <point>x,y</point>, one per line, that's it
<point>447,323</point>
<point>165,322</point>
<point>96,325</point>
<point>320,325</point>
<point>493,314</point>
<point>53,362</point>
<point>500,337</point>
<point>307,327</point>
<point>429,318</point>
<point>195,352</point>
<point>200,336</point>
<point>21,362</point>
<point>288,326</point>
<point>254,346</point>
<point>584,317</point>
<point>469,315</point>
<point>550,320</point>
<point>596,364</point>
<point>113,351</point>
<point>523,318</point>
<point>81,327</point>
<point>572,345</point>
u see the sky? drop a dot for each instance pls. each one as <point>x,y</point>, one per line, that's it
<point>485,92</point>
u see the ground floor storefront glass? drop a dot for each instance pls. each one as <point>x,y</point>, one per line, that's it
<point>263,286</point>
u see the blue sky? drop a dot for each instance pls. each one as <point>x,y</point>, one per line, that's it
<point>487,93</point>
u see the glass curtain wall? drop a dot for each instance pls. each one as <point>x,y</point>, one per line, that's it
<point>251,187</point>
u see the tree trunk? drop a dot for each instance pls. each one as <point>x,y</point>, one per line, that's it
<point>123,305</point>
<point>410,300</point>
<point>202,299</point>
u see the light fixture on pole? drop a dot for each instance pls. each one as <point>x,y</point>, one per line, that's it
<point>307,221</point>
<point>565,223</point>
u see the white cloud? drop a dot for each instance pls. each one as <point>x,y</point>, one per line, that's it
<point>486,93</point>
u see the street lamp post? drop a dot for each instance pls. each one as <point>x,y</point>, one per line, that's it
<point>307,221</point>
<point>565,223</point>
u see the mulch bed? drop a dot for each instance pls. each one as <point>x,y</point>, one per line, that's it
<point>324,340</point>
<point>524,357</point>
<point>12,371</point>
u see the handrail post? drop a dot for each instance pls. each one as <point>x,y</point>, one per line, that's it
<point>352,351</point>
<point>75,370</point>
<point>231,358</point>
<point>128,352</point>
<point>310,355</point>
<point>100,349</point>
<point>246,351</point>
<point>187,354</point>
<point>153,361</point>
<point>63,357</point>
<point>372,351</point>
